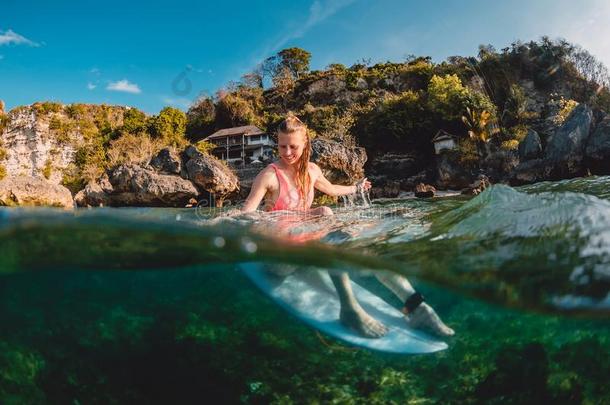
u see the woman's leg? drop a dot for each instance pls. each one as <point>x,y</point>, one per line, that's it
<point>352,314</point>
<point>424,316</point>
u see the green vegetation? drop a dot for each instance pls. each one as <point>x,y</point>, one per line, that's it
<point>170,127</point>
<point>2,171</point>
<point>47,107</point>
<point>493,98</point>
<point>225,339</point>
<point>47,170</point>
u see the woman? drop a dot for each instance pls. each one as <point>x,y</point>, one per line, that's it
<point>288,185</point>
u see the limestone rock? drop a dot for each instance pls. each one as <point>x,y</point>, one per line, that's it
<point>565,148</point>
<point>167,161</point>
<point>95,194</point>
<point>397,166</point>
<point>424,190</point>
<point>532,171</point>
<point>531,147</point>
<point>477,186</point>
<point>339,163</point>
<point>450,174</point>
<point>597,151</point>
<point>33,191</point>
<point>211,175</point>
<point>137,186</point>
<point>32,148</point>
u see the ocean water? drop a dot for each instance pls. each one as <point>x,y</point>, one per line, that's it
<point>149,305</point>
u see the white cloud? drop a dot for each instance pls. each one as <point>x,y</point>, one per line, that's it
<point>91,86</point>
<point>124,86</point>
<point>9,37</point>
<point>95,71</point>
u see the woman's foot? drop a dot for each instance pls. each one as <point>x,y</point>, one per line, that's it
<point>363,323</point>
<point>425,318</point>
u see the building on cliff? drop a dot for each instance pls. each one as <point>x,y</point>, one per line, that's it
<point>241,144</point>
<point>443,140</point>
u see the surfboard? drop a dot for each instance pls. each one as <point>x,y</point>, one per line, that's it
<point>310,295</point>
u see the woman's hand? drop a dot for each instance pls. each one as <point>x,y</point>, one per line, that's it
<point>363,185</point>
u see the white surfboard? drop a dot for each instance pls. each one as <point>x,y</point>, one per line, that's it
<point>310,295</point>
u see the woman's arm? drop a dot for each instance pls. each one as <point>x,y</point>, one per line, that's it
<point>258,191</point>
<point>336,190</point>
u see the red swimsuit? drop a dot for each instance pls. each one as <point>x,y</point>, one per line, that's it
<point>289,198</point>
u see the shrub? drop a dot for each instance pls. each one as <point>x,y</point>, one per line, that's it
<point>205,147</point>
<point>72,178</point>
<point>170,127</point>
<point>3,153</point>
<point>131,148</point>
<point>2,171</point>
<point>396,120</point>
<point>134,121</point>
<point>511,144</point>
<point>200,119</point>
<point>47,170</point>
<point>565,109</point>
<point>47,107</point>
<point>3,122</point>
<point>447,96</point>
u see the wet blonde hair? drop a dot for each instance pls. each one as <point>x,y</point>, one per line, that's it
<point>292,124</point>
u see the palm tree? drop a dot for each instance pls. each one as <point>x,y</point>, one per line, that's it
<point>481,127</point>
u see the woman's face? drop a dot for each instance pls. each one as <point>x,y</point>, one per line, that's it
<point>291,146</point>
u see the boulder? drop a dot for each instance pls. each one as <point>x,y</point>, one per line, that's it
<point>33,191</point>
<point>424,191</point>
<point>565,148</point>
<point>597,152</point>
<point>212,175</point>
<point>339,163</point>
<point>530,147</point>
<point>396,166</point>
<point>477,186</point>
<point>133,185</point>
<point>532,171</point>
<point>167,161</point>
<point>95,194</point>
<point>383,188</point>
<point>451,174</point>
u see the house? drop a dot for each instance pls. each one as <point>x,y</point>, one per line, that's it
<point>443,141</point>
<point>241,144</point>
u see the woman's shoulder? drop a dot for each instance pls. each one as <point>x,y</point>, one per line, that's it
<point>314,167</point>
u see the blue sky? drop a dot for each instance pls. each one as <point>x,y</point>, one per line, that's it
<point>159,53</point>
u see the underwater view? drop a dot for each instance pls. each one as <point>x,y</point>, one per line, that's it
<point>152,305</point>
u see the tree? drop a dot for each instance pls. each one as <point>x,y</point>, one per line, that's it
<point>134,121</point>
<point>200,119</point>
<point>170,126</point>
<point>481,127</point>
<point>447,96</point>
<point>294,61</point>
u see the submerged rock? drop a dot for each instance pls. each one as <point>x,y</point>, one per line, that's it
<point>33,191</point>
